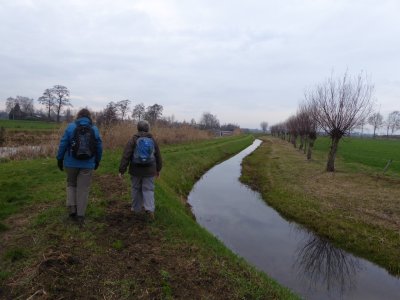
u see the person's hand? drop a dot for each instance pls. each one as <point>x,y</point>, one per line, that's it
<point>96,165</point>
<point>60,164</point>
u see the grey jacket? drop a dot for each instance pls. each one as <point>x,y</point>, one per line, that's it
<point>139,170</point>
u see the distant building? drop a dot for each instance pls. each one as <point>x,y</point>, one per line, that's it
<point>225,132</point>
<point>16,113</point>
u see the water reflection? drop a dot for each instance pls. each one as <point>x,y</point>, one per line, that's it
<point>323,264</point>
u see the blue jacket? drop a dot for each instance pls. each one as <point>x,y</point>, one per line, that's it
<point>64,149</point>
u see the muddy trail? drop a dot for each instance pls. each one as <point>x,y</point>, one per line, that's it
<point>115,256</point>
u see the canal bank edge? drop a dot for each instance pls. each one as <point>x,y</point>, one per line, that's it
<point>289,183</point>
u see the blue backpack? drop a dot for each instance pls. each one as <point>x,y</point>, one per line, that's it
<point>144,151</point>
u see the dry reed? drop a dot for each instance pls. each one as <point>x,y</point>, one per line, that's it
<point>118,135</point>
<point>29,145</point>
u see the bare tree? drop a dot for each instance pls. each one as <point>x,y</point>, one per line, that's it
<point>279,130</point>
<point>123,107</point>
<point>153,113</point>
<point>308,126</point>
<point>61,97</point>
<point>48,100</point>
<point>108,116</point>
<point>168,121</point>
<point>19,107</point>
<point>376,121</point>
<point>361,125</point>
<point>26,105</point>
<point>292,128</point>
<point>340,105</point>
<point>138,111</point>
<point>230,127</point>
<point>396,124</point>
<point>264,126</point>
<point>209,121</point>
<point>393,122</point>
<point>301,123</point>
<point>10,104</point>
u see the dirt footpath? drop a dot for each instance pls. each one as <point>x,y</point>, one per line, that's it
<point>123,257</point>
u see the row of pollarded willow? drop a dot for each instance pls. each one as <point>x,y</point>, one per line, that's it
<point>334,107</point>
<point>302,125</point>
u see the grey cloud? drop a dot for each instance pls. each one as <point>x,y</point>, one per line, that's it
<point>235,59</point>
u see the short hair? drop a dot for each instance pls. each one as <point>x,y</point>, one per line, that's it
<point>143,125</point>
<point>84,112</point>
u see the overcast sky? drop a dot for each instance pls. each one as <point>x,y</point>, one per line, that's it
<point>244,61</point>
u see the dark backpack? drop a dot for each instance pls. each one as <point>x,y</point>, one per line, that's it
<point>143,153</point>
<point>83,143</point>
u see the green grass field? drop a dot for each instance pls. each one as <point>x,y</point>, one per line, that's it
<point>22,125</point>
<point>367,151</point>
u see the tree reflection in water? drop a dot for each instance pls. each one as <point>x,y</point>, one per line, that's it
<point>325,265</point>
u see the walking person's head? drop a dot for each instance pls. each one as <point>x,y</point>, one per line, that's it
<point>143,126</point>
<point>84,112</point>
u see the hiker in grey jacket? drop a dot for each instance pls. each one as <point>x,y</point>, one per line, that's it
<point>143,156</point>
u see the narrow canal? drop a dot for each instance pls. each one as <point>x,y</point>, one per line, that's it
<point>293,256</point>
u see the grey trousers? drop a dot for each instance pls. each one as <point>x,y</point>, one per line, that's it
<point>78,185</point>
<point>142,193</point>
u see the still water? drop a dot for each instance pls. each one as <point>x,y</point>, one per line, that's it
<point>9,151</point>
<point>293,256</point>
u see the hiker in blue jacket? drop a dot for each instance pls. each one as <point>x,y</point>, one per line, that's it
<point>79,152</point>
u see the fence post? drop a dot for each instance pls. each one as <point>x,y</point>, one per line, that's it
<point>387,165</point>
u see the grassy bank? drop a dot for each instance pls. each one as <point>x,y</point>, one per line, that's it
<point>355,208</point>
<point>116,256</point>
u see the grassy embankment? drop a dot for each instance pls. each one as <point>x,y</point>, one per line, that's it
<point>357,207</point>
<point>116,256</point>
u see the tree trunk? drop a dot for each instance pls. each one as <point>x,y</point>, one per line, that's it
<point>330,167</point>
<point>310,148</point>
<point>294,138</point>
<point>306,142</point>
<point>301,142</point>
<point>58,113</point>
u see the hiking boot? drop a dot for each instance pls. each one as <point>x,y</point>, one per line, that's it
<point>150,215</point>
<point>72,215</point>
<point>80,220</point>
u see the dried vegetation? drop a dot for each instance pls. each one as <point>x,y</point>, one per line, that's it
<point>33,144</point>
